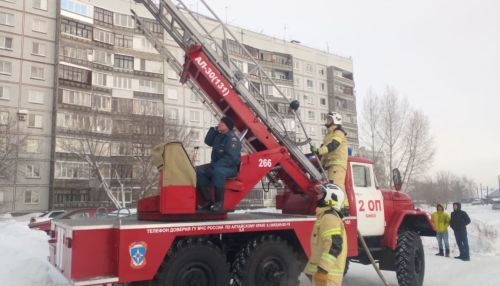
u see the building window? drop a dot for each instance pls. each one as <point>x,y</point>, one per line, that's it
<point>100,79</point>
<point>104,36</point>
<point>37,73</point>
<point>123,20</point>
<point>122,82</point>
<point>103,57</point>
<point>153,26</point>
<point>323,86</point>
<point>101,102</point>
<point>103,16</point>
<point>76,97</point>
<point>74,7</point>
<point>40,4</point>
<point>38,49</point>
<point>71,170</point>
<point>310,115</point>
<point>6,19</point>
<point>32,146</point>
<point>35,121</point>
<point>124,62</point>
<point>6,43</point>
<point>321,71</point>
<point>76,28</point>
<point>75,74</point>
<point>32,171</point>
<point>151,86</point>
<point>31,197</point>
<point>5,67</point>
<point>4,92</point>
<point>310,83</point>
<point>4,118</point>
<point>172,113</point>
<point>75,53</point>
<point>296,65</point>
<point>308,99</point>
<point>322,101</point>
<point>39,26</point>
<point>194,97</point>
<point>36,96</point>
<point>124,41</point>
<point>194,116</point>
<point>172,93</point>
<point>309,68</point>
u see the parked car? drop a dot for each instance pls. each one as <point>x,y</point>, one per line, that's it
<point>495,204</point>
<point>477,202</point>
<point>79,214</point>
<point>46,216</point>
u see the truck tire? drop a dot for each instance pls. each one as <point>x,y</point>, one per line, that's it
<point>266,261</point>
<point>193,262</point>
<point>410,262</point>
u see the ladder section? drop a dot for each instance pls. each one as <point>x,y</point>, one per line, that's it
<point>170,58</point>
<point>174,19</point>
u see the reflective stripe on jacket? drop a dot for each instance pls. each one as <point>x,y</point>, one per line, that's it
<point>338,156</point>
<point>328,224</point>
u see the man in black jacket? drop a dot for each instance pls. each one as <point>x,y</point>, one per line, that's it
<point>459,222</point>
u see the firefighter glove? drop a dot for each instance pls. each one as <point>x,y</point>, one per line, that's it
<point>320,278</point>
<point>314,149</point>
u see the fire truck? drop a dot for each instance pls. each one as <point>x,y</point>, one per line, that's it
<point>170,242</point>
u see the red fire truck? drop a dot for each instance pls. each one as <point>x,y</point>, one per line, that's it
<point>169,242</point>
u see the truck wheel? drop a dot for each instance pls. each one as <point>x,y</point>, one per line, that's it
<point>410,262</point>
<point>266,261</point>
<point>193,262</point>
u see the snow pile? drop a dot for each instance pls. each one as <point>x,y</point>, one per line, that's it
<point>24,255</point>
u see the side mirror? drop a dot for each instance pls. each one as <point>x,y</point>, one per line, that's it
<point>396,178</point>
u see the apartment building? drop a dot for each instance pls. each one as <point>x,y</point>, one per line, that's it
<point>27,42</point>
<point>79,82</point>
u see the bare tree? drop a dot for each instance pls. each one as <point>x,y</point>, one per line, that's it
<point>392,125</point>
<point>445,187</point>
<point>10,142</point>
<point>418,147</point>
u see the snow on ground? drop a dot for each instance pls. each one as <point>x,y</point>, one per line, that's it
<point>24,256</point>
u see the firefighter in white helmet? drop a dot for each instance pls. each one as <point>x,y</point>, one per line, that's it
<point>328,240</point>
<point>333,151</point>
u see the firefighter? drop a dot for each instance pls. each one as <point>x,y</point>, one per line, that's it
<point>334,152</point>
<point>225,163</point>
<point>328,240</point>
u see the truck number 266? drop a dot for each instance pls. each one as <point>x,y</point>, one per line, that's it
<point>265,163</point>
<point>373,205</point>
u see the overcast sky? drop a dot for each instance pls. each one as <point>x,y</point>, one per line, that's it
<point>443,55</point>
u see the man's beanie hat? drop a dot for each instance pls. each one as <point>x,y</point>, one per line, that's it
<point>228,121</point>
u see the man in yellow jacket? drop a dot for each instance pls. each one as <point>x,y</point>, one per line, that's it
<point>334,151</point>
<point>441,221</point>
<point>328,240</point>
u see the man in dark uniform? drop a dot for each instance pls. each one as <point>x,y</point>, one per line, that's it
<point>225,162</point>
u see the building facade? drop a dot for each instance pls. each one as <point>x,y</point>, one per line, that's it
<point>88,96</point>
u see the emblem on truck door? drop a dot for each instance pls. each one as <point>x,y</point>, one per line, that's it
<point>137,251</point>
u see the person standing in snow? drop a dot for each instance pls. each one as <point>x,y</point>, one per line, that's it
<point>441,221</point>
<point>459,222</point>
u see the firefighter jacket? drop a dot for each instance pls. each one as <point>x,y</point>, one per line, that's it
<point>226,149</point>
<point>333,151</point>
<point>328,244</point>
<point>441,221</point>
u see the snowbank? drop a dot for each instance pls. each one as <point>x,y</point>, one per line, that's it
<point>24,255</point>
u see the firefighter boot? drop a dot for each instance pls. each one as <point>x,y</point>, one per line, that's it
<point>219,201</point>
<point>440,252</point>
<point>205,193</point>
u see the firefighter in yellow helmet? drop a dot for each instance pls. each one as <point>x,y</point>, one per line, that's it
<point>334,151</point>
<point>328,240</point>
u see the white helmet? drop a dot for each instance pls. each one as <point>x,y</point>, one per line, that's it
<point>332,195</point>
<point>336,117</point>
